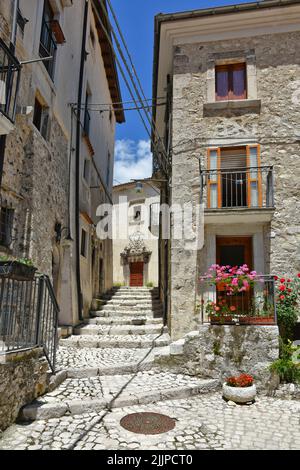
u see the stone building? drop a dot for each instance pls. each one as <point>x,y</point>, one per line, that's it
<point>58,164</point>
<point>232,76</point>
<point>135,245</point>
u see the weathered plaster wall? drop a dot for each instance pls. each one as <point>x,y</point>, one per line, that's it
<point>23,378</point>
<point>275,127</point>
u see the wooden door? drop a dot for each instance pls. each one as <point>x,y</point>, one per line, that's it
<point>235,251</point>
<point>137,274</point>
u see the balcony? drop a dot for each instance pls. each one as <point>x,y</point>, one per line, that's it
<point>48,48</point>
<point>254,306</point>
<point>238,195</point>
<point>10,69</point>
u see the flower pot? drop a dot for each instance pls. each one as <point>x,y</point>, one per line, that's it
<point>221,320</point>
<point>239,394</point>
<point>256,320</point>
<point>17,271</point>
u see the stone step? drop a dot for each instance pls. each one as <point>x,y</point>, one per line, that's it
<point>118,330</point>
<point>117,341</point>
<point>127,313</point>
<point>79,396</point>
<point>133,320</point>
<point>134,289</point>
<point>127,308</point>
<point>134,299</point>
<point>89,362</point>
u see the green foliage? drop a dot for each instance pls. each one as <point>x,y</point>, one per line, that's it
<point>287,306</point>
<point>26,261</point>
<point>150,284</point>
<point>287,366</point>
<point>119,284</point>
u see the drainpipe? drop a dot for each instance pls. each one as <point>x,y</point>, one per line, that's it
<point>12,47</point>
<point>77,162</point>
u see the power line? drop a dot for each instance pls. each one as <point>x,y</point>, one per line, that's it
<point>112,104</point>
<point>164,163</point>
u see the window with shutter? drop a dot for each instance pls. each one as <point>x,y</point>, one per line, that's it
<point>234,177</point>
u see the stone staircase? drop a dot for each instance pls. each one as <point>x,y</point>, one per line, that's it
<point>109,362</point>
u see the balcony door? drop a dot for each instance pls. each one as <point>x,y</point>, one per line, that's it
<point>137,274</point>
<point>234,177</point>
<point>235,251</point>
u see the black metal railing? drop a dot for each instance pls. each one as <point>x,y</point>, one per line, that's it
<point>10,70</point>
<point>233,188</point>
<point>28,316</point>
<point>256,305</point>
<point>48,48</point>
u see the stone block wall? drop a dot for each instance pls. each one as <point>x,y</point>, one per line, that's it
<point>222,351</point>
<point>24,377</point>
<point>275,65</point>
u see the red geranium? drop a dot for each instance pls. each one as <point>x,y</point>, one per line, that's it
<point>282,288</point>
<point>243,380</point>
<point>282,280</point>
<point>282,297</point>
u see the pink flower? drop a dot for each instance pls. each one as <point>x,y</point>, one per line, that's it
<point>235,281</point>
<point>246,283</point>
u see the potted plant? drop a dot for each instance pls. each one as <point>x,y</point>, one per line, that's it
<point>220,313</point>
<point>18,269</point>
<point>240,389</point>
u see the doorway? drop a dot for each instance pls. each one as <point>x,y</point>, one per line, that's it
<point>235,251</point>
<point>137,274</point>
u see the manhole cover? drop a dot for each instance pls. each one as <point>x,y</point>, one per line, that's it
<point>147,423</point>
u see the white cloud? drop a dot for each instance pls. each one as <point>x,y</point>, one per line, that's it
<point>133,160</point>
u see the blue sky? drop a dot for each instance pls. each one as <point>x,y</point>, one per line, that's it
<point>136,18</point>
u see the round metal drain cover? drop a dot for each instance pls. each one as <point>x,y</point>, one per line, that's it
<point>148,423</point>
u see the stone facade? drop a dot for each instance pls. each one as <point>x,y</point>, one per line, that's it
<point>24,377</point>
<point>223,351</point>
<point>40,168</point>
<point>137,243</point>
<point>269,117</point>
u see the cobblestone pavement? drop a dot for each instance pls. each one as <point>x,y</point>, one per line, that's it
<point>203,422</point>
<point>102,384</point>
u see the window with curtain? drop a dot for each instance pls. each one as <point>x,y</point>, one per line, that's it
<point>231,82</point>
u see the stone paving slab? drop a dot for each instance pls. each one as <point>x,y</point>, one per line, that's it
<point>78,396</point>
<point>88,362</point>
<point>114,341</point>
<point>119,330</point>
<point>143,320</point>
<point>202,422</point>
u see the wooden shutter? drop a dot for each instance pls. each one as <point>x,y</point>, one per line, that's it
<point>254,180</point>
<point>214,178</point>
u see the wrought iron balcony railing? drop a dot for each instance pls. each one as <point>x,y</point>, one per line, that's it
<point>48,48</point>
<point>251,187</point>
<point>10,69</point>
<point>255,305</point>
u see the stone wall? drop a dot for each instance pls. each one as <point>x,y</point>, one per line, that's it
<point>221,351</point>
<point>24,377</point>
<point>275,65</point>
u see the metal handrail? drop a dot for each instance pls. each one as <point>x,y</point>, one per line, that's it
<point>28,315</point>
<point>227,188</point>
<point>252,302</point>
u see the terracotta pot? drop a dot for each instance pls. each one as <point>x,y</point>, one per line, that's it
<point>256,320</point>
<point>221,320</point>
<point>239,394</point>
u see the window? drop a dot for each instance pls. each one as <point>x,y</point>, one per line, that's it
<point>87,116</point>
<point>41,118</point>
<point>108,169</point>
<point>48,45</point>
<point>6,226</point>
<point>234,177</point>
<point>231,82</point>
<point>21,22</point>
<point>87,170</point>
<point>137,211</point>
<point>84,243</point>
